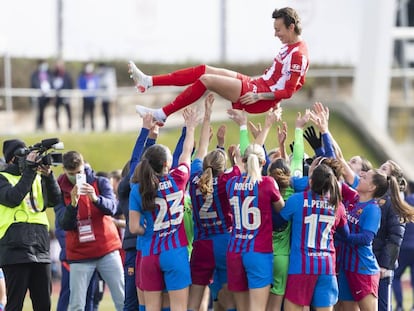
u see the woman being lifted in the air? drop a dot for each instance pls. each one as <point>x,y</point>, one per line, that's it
<point>254,95</point>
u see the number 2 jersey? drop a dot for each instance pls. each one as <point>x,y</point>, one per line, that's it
<point>164,227</point>
<point>314,222</point>
<point>251,204</point>
<point>212,214</point>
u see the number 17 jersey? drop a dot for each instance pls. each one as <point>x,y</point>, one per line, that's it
<point>314,222</point>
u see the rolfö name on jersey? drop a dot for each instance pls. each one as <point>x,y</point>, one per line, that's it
<point>164,185</point>
<point>319,204</point>
<point>243,186</point>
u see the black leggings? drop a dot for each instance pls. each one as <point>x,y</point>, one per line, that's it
<point>35,277</point>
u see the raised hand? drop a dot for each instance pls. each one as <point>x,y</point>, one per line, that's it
<point>320,117</point>
<point>208,104</point>
<point>238,116</point>
<point>191,118</point>
<point>282,133</point>
<point>302,120</point>
<point>221,134</point>
<point>272,116</point>
<point>314,140</point>
<point>148,121</point>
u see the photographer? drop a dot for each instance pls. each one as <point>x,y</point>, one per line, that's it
<point>27,187</point>
<point>92,239</point>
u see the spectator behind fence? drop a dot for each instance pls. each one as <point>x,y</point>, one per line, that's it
<point>107,84</point>
<point>41,79</point>
<point>62,80</point>
<point>88,82</point>
<point>26,189</point>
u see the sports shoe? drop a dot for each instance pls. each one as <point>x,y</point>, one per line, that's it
<point>142,81</point>
<point>156,114</point>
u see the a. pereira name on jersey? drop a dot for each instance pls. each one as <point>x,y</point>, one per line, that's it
<point>319,204</point>
<point>243,186</point>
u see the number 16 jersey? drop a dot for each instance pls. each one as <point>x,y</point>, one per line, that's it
<point>251,204</point>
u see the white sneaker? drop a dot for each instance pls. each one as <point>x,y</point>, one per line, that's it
<point>141,80</point>
<point>142,111</point>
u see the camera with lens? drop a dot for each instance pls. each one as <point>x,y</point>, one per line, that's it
<point>45,152</point>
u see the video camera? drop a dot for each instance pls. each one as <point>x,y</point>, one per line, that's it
<point>42,148</point>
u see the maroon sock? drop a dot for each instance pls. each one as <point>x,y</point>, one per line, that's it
<point>180,77</point>
<point>189,96</point>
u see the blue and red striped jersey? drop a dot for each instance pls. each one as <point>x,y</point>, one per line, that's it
<point>212,214</point>
<point>360,258</point>
<point>164,225</point>
<point>251,204</point>
<point>314,222</point>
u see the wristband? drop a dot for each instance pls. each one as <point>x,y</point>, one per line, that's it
<point>243,127</point>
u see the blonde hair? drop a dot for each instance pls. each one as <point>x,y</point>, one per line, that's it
<point>254,158</point>
<point>214,163</point>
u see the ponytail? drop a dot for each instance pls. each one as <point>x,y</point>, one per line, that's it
<point>325,183</point>
<point>148,185</point>
<point>205,184</point>
<point>214,163</point>
<point>146,174</point>
<point>254,157</point>
<point>401,207</point>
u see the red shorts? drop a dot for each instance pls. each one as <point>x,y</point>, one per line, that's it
<point>300,288</point>
<point>138,270</point>
<point>202,262</point>
<point>320,291</point>
<point>362,285</point>
<point>251,85</point>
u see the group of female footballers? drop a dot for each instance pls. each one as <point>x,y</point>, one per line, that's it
<point>262,238</point>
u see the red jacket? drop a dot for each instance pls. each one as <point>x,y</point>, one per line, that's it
<point>106,234</point>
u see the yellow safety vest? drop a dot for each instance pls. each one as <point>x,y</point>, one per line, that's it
<point>23,212</point>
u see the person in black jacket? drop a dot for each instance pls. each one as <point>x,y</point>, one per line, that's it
<point>395,213</point>
<point>62,80</point>
<point>406,258</point>
<point>26,189</point>
<point>41,79</point>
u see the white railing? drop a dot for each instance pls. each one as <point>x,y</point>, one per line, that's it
<point>332,74</point>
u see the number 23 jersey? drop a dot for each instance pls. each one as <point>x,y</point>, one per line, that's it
<point>164,227</point>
